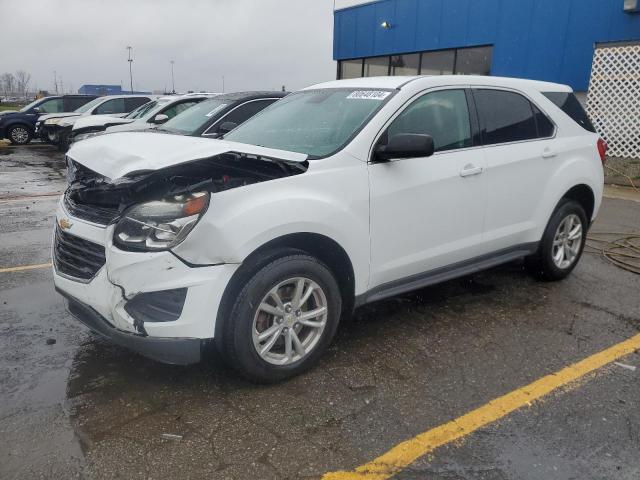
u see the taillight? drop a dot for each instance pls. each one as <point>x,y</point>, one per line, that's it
<point>602,150</point>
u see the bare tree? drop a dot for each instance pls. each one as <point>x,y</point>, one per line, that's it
<point>22,80</point>
<point>8,83</point>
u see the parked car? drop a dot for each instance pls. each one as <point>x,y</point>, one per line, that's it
<point>55,128</point>
<point>19,127</point>
<point>339,195</point>
<point>218,115</point>
<point>149,115</point>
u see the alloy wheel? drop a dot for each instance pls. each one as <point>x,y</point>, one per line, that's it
<point>19,135</point>
<point>567,241</point>
<point>289,321</point>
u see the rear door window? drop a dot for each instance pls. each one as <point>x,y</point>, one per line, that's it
<point>569,104</point>
<point>115,105</point>
<point>134,102</point>
<point>504,116</point>
<point>71,103</point>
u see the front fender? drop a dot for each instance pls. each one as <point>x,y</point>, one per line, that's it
<point>7,124</point>
<point>333,202</point>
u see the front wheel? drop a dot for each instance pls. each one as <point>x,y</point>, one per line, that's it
<point>562,243</point>
<point>283,319</point>
<point>19,135</point>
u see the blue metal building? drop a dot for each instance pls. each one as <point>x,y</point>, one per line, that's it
<point>551,40</point>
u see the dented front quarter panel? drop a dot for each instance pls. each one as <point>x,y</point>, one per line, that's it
<point>331,198</point>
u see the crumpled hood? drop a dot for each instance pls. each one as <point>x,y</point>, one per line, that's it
<point>99,121</point>
<point>118,154</point>
<point>135,126</point>
<point>47,116</point>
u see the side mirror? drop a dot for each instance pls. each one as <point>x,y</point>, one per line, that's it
<point>36,109</point>
<point>405,145</point>
<point>160,118</point>
<point>226,127</point>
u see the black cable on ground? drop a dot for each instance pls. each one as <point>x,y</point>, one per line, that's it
<point>620,248</point>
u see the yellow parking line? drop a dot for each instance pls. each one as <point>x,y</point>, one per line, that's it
<point>22,268</point>
<point>405,453</point>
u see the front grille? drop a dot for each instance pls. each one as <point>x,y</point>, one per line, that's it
<point>77,257</point>
<point>90,213</point>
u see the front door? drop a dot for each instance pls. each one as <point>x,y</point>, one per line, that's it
<point>428,212</point>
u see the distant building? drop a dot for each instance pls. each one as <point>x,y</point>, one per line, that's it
<point>591,45</point>
<point>551,40</point>
<point>106,90</point>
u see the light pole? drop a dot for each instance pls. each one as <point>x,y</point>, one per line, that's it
<point>173,81</point>
<point>130,60</point>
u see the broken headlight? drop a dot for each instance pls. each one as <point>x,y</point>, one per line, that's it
<point>160,225</point>
<point>84,136</point>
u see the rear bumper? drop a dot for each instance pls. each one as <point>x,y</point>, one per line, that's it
<point>177,351</point>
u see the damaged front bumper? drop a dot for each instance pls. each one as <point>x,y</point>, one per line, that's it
<point>111,300</point>
<point>177,351</point>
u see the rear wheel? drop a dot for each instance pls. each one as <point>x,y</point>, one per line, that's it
<point>562,243</point>
<point>283,319</point>
<point>19,135</point>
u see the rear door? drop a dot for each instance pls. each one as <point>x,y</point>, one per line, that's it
<point>518,145</point>
<point>427,213</point>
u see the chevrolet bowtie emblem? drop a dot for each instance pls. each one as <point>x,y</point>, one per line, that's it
<point>64,224</point>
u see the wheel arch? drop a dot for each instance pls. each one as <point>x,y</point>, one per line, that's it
<point>583,194</point>
<point>324,248</point>
<point>21,123</point>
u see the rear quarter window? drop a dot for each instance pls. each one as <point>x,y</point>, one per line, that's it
<point>569,104</point>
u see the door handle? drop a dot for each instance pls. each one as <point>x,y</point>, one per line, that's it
<point>469,170</point>
<point>548,153</point>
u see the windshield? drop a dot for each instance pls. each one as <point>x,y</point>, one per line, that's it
<point>31,105</point>
<point>88,106</point>
<point>142,109</point>
<point>195,117</point>
<point>315,122</point>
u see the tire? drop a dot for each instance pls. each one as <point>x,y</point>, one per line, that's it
<point>542,264</point>
<point>64,141</point>
<point>248,318</point>
<point>19,135</point>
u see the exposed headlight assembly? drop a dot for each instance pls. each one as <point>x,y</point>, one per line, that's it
<point>84,136</point>
<point>160,225</point>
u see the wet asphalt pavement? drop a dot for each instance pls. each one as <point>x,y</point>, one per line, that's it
<point>73,406</point>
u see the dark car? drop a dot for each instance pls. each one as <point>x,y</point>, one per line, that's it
<point>219,115</point>
<point>56,128</point>
<point>19,127</point>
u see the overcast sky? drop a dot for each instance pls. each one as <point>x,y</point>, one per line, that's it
<point>255,44</point>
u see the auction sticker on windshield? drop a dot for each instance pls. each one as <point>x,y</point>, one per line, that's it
<point>369,95</point>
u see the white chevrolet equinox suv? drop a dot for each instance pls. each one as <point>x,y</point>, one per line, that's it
<point>338,195</point>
